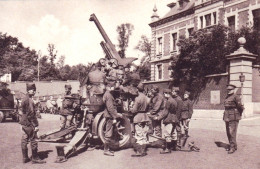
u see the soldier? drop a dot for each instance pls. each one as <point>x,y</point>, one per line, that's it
<point>170,120</point>
<point>232,114</point>
<point>67,108</point>
<point>29,124</point>
<point>178,99</point>
<point>157,104</point>
<point>187,111</point>
<point>141,123</point>
<point>111,116</point>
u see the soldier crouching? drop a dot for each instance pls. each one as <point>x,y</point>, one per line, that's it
<point>29,124</point>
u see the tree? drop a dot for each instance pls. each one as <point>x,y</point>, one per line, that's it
<point>124,31</point>
<point>144,45</point>
<point>204,53</point>
<point>17,59</point>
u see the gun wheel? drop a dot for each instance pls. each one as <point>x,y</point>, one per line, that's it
<point>121,134</point>
<point>2,116</point>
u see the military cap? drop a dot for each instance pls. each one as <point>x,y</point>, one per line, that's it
<point>176,89</point>
<point>166,91</point>
<point>140,86</point>
<point>187,92</point>
<point>30,86</point>
<point>231,87</point>
<point>155,88</point>
<point>68,86</point>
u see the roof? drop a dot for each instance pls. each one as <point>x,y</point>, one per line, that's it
<point>177,9</point>
<point>176,12</point>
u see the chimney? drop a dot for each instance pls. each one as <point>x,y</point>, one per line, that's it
<point>155,16</point>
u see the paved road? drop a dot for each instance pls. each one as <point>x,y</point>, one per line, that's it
<point>203,131</point>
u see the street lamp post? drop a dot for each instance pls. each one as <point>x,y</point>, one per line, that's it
<point>242,80</point>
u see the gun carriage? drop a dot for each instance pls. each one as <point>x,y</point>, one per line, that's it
<point>89,115</point>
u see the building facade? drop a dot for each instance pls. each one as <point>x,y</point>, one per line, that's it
<point>185,16</point>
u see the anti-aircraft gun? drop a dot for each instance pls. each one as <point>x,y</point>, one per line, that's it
<point>93,123</point>
<point>108,46</point>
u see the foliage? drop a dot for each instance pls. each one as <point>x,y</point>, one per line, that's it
<point>124,31</point>
<point>144,45</point>
<point>23,64</point>
<point>16,58</point>
<point>204,53</point>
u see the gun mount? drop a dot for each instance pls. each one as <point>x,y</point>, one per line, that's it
<point>108,46</point>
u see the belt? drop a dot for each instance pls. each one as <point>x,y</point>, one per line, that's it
<point>230,108</point>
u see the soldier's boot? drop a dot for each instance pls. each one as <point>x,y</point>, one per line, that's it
<point>231,151</point>
<point>35,158</point>
<point>186,133</point>
<point>178,147</point>
<point>174,145</point>
<point>107,152</point>
<point>61,155</point>
<point>143,150</point>
<point>138,150</point>
<point>26,159</point>
<point>167,149</point>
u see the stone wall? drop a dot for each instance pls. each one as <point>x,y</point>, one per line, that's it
<point>216,85</point>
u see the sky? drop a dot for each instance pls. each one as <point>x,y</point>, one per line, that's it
<point>65,23</point>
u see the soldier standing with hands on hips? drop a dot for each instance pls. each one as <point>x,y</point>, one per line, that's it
<point>29,124</point>
<point>232,114</point>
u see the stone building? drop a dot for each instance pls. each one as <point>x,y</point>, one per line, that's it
<point>183,18</point>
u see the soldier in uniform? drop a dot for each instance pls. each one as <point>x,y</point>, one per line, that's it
<point>170,120</point>
<point>111,116</point>
<point>178,99</point>
<point>157,104</point>
<point>232,114</point>
<point>140,122</point>
<point>29,124</point>
<point>67,108</point>
<point>186,113</point>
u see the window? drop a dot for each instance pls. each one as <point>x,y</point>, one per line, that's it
<point>190,30</point>
<point>208,19</point>
<point>215,17</point>
<point>159,67</point>
<point>256,15</point>
<point>159,45</point>
<point>174,41</point>
<point>201,22</point>
<point>231,23</point>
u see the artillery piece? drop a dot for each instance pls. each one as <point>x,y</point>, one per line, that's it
<point>92,124</point>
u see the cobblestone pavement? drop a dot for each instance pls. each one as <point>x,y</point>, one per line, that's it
<point>203,131</point>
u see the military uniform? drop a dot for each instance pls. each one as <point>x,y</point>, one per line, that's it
<point>170,121</point>
<point>177,131</point>
<point>29,124</point>
<point>140,122</point>
<point>186,113</point>
<point>232,115</point>
<point>157,103</point>
<point>110,114</point>
<point>67,109</point>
